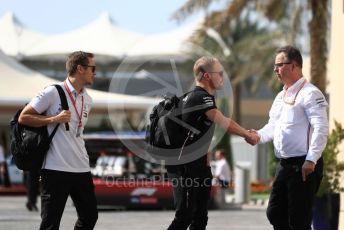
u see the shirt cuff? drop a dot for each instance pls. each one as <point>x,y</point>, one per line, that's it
<point>311,158</point>
<point>260,137</point>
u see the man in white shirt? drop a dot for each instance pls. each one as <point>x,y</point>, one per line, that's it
<point>298,126</point>
<point>222,170</point>
<point>66,169</point>
<point>2,163</point>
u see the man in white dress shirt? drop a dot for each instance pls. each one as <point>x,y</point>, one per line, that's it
<point>298,126</point>
<point>222,170</point>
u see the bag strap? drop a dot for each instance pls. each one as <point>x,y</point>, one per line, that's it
<point>64,105</point>
<point>64,102</point>
<point>54,131</point>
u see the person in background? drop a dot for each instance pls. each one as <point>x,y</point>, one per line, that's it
<point>2,163</point>
<point>222,174</point>
<point>222,170</point>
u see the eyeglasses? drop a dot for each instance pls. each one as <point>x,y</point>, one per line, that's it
<point>92,66</point>
<point>220,72</point>
<point>279,65</point>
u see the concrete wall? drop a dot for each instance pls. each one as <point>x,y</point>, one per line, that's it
<point>336,78</point>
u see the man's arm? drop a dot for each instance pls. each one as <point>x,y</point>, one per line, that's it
<point>231,126</point>
<point>266,133</point>
<point>316,110</point>
<point>30,117</point>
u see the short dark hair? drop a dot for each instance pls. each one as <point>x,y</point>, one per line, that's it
<point>77,58</point>
<point>221,151</point>
<point>292,53</point>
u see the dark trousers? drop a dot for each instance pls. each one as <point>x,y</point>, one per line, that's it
<point>223,183</point>
<point>291,199</point>
<point>56,187</point>
<point>191,196</point>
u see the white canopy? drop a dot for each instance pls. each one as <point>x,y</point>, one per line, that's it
<point>16,38</point>
<point>170,44</point>
<point>19,84</point>
<point>101,37</point>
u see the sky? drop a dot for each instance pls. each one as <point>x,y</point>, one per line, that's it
<point>56,16</point>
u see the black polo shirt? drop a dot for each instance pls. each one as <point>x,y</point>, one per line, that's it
<point>195,105</point>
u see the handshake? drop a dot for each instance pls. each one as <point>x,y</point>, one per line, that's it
<point>252,137</point>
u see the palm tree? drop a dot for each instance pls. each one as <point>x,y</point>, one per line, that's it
<point>290,17</point>
<point>283,11</point>
<point>245,40</point>
<point>318,28</point>
<point>243,51</point>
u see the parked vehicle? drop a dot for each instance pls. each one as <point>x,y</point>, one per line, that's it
<point>122,179</point>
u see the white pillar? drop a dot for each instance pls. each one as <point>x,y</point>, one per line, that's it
<point>336,79</point>
<point>242,190</point>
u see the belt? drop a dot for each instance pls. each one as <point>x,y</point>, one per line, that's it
<point>292,160</point>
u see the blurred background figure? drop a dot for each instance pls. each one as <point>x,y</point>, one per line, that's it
<point>4,177</point>
<point>31,181</point>
<point>2,164</point>
<point>222,173</point>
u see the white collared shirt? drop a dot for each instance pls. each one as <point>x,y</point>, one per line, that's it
<point>67,151</point>
<point>222,170</point>
<point>299,129</point>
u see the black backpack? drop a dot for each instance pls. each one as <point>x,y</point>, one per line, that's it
<point>167,134</point>
<point>29,145</point>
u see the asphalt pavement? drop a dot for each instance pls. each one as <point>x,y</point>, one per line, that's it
<point>14,216</point>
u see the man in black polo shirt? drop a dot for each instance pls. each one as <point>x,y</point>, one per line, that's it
<point>192,180</point>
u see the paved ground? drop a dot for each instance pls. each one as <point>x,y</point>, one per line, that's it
<point>14,216</point>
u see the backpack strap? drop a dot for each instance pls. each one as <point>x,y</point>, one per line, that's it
<point>64,102</point>
<point>185,94</point>
<point>53,132</point>
<point>64,105</point>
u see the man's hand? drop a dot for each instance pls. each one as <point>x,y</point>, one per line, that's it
<point>63,117</point>
<point>252,137</point>
<point>307,168</point>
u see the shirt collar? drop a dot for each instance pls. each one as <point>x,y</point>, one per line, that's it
<point>202,89</point>
<point>73,90</point>
<point>292,89</point>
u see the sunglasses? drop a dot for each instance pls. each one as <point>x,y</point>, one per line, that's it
<point>220,72</point>
<point>279,65</point>
<point>92,66</point>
